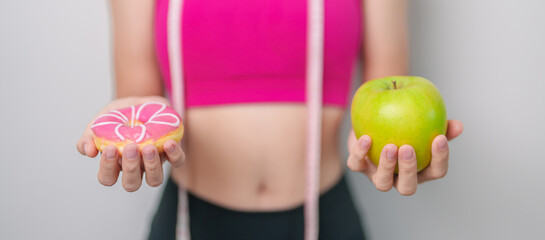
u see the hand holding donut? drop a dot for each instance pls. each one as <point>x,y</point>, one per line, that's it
<point>134,134</point>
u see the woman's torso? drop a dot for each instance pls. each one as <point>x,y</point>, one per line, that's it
<point>244,69</point>
<point>252,157</point>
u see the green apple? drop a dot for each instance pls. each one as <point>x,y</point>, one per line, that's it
<point>399,110</point>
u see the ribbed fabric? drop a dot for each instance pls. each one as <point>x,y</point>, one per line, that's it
<point>255,51</point>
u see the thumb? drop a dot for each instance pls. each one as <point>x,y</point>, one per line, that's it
<point>356,161</point>
<point>86,144</point>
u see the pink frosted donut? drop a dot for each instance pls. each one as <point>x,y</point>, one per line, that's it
<point>149,123</point>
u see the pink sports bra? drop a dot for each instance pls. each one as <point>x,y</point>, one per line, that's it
<point>248,51</point>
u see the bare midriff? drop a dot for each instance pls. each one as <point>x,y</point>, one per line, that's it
<point>251,157</point>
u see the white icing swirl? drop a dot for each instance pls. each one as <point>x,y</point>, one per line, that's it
<point>135,115</point>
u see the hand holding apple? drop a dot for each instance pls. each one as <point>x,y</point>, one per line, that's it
<point>406,112</point>
<point>407,179</point>
<point>399,110</point>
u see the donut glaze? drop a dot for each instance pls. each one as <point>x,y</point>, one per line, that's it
<point>149,123</point>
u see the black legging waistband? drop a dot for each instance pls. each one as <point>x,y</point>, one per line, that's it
<point>338,218</point>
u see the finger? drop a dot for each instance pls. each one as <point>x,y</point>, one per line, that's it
<point>108,171</point>
<point>407,180</point>
<point>384,177</point>
<point>174,153</point>
<point>132,172</point>
<point>86,146</point>
<point>454,129</point>
<point>80,145</point>
<point>439,160</point>
<point>351,140</point>
<point>90,148</point>
<point>152,166</point>
<point>356,161</point>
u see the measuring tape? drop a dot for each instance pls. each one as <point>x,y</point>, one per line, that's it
<point>174,44</point>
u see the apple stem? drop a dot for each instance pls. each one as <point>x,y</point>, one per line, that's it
<point>395,85</point>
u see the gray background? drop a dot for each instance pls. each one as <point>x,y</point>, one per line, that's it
<point>486,56</point>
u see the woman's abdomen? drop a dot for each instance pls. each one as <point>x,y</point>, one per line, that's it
<point>251,157</point>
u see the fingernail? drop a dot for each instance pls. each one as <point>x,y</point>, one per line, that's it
<point>148,154</point>
<point>442,144</point>
<point>365,142</point>
<point>169,148</point>
<point>131,153</point>
<point>406,154</point>
<point>110,154</point>
<point>390,153</point>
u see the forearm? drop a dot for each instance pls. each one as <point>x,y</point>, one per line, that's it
<point>386,39</point>
<point>136,69</point>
